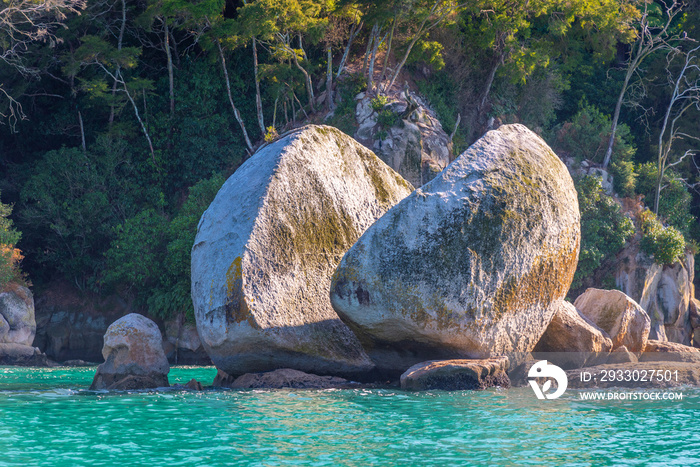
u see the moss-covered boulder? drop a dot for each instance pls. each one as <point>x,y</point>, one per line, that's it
<point>268,245</point>
<point>469,265</point>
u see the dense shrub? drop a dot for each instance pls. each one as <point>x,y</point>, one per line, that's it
<point>604,229</point>
<point>664,244</point>
<point>624,178</point>
<point>586,137</point>
<point>674,202</point>
<point>151,254</point>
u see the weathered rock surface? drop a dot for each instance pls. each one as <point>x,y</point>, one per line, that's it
<point>617,314</point>
<point>664,292</point>
<point>471,264</point>
<point>688,374</point>
<point>455,375</point>
<point>657,351</point>
<point>621,355</point>
<point>182,344</point>
<point>416,146</point>
<point>134,358</point>
<point>17,323</point>
<point>71,324</point>
<point>572,340</point>
<point>23,355</point>
<point>268,244</point>
<point>287,378</point>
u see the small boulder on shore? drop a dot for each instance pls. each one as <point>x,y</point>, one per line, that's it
<point>617,314</point>
<point>658,351</point>
<point>455,375</point>
<point>17,322</point>
<point>572,340</point>
<point>134,357</point>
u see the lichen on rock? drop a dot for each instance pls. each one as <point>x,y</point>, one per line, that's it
<point>470,264</point>
<point>267,246</point>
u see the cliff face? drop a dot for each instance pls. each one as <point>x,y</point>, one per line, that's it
<point>665,292</point>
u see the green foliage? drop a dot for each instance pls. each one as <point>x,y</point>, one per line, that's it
<point>151,254</point>
<point>587,135</point>
<point>379,102</point>
<point>271,134</point>
<point>604,229</point>
<point>674,203</point>
<point>9,255</point>
<point>664,244</point>
<point>624,177</point>
<point>72,202</point>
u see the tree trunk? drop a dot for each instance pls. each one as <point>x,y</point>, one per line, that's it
<point>82,131</point>
<point>373,58</point>
<point>307,77</point>
<point>171,80</point>
<point>120,40</point>
<point>353,32</point>
<point>258,99</point>
<point>388,51</point>
<point>236,113</point>
<point>489,82</point>
<point>138,117</point>
<point>370,42</point>
<point>329,78</point>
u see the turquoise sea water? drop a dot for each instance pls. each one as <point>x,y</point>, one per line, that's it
<point>49,418</point>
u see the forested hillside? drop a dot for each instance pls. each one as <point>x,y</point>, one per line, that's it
<point>121,119</point>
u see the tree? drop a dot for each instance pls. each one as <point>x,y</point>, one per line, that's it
<point>654,33</point>
<point>23,22</point>
<point>9,255</point>
<point>684,97</point>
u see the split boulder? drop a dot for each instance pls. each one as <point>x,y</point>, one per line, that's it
<point>470,265</point>
<point>268,245</point>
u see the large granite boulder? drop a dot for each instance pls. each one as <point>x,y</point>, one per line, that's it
<point>658,351</point>
<point>572,340</point>
<point>268,245</point>
<point>470,265</point>
<point>17,323</point>
<point>134,357</point>
<point>617,314</point>
<point>456,375</point>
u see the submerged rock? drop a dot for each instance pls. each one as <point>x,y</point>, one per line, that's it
<point>134,357</point>
<point>618,315</point>
<point>472,264</point>
<point>572,340</point>
<point>286,378</point>
<point>17,322</point>
<point>455,375</point>
<point>267,246</point>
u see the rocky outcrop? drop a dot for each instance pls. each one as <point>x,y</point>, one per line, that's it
<point>267,246</point>
<point>414,144</point>
<point>617,314</point>
<point>71,324</point>
<point>455,375</point>
<point>134,358</point>
<point>470,265</point>
<point>694,318</point>
<point>285,378</point>
<point>572,340</point>
<point>664,292</point>
<point>657,351</point>
<point>182,344</point>
<point>17,322</point>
